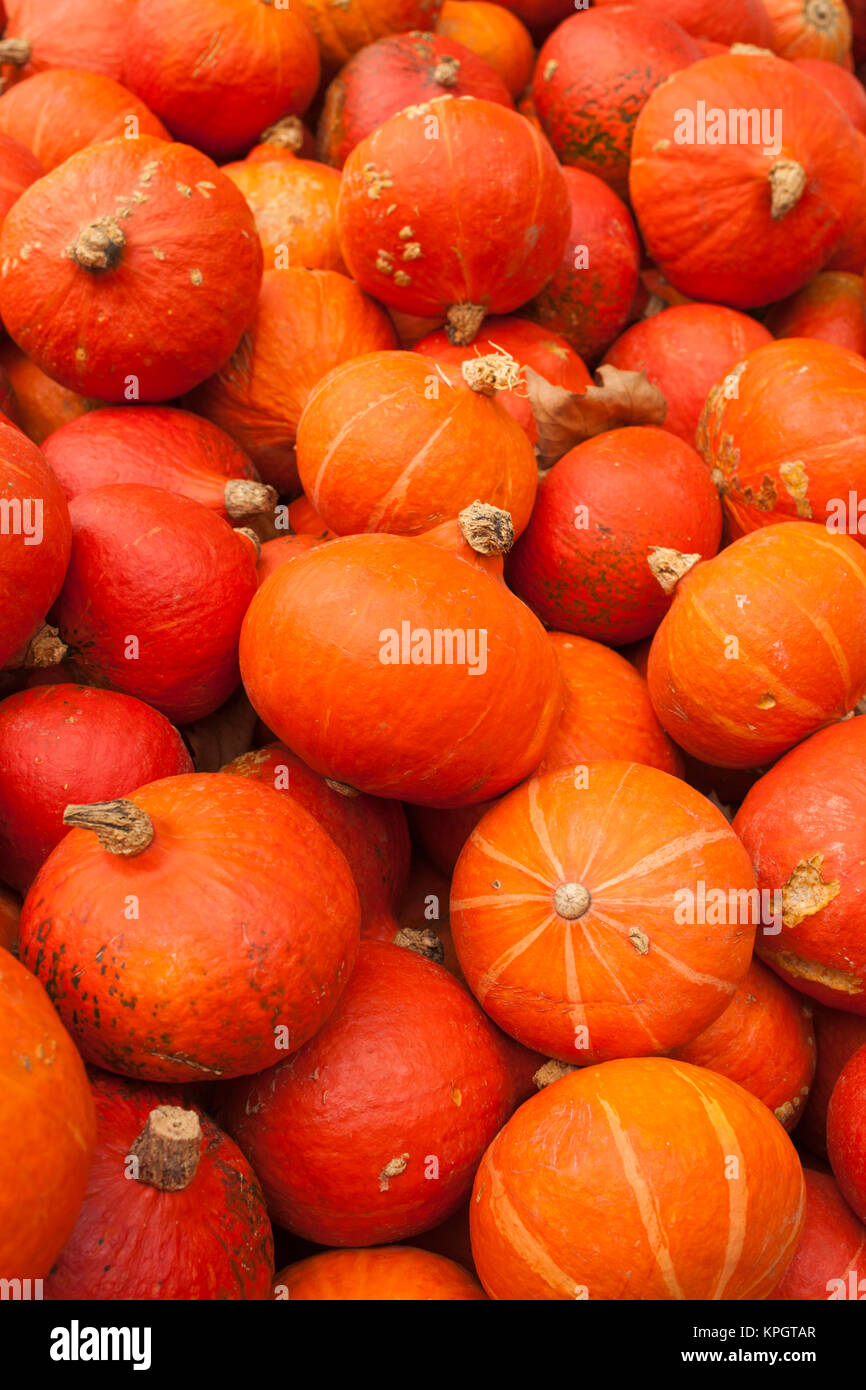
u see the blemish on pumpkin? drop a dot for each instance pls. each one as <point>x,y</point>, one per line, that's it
<point>385,262</point>
<point>807,891</point>
<point>401,278</point>
<point>549,69</point>
<point>661,145</point>
<point>767,701</point>
<point>639,940</point>
<point>392,207</point>
<point>203,188</point>
<point>496,883</point>
<point>196,276</point>
<point>796,481</point>
<point>376,181</point>
<point>392,1169</point>
<point>160,255</point>
<point>405,233</point>
<point>80,354</point>
<point>456,1095</point>
<point>845,981</point>
<point>787,1111</point>
<point>412,252</point>
<point>185,189</point>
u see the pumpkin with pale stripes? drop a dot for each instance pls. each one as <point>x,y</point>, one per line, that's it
<point>639,1179</point>
<point>606,910</point>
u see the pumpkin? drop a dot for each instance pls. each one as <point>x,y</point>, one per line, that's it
<point>10,911</point>
<point>849,252</point>
<point>35,540</point>
<point>581,564</point>
<point>857,11</point>
<point>71,743</point>
<point>154,596</point>
<point>742,221</point>
<point>810,29</point>
<point>846,1132</point>
<point>307,322</point>
<point>763,645</point>
<point>641,1179</point>
<point>838,1036</point>
<point>48,1125</point>
<point>159,447</point>
<point>152,237</point>
<point>737,21</point>
<point>41,404</point>
<point>66,34</point>
<point>592,77</point>
<point>386,1274</point>
<point>172,1209</point>
<point>842,85</point>
<point>339,1167</point>
<point>60,111</point>
<point>294,202</point>
<point>685,350</point>
<point>379,436</point>
<point>304,520</point>
<point>220,71</point>
<point>343,30</point>
<point>371,833</point>
<point>589,296</point>
<point>831,307</point>
<point>441,736</point>
<point>426,255</point>
<point>494,34</point>
<point>781,433</point>
<point>18,169</point>
<point>828,1258</point>
<point>280,551</point>
<point>442,834</point>
<point>284,139</point>
<point>239,928</point>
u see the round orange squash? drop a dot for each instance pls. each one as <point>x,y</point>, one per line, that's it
<point>831,307</point>
<point>58,112</point>
<point>43,405</point>
<point>387,1273</point>
<point>19,168</point>
<point>810,29</point>
<point>343,29</point>
<point>737,21</point>
<point>64,34</point>
<point>495,34</point>
<point>294,202</point>
<point>841,84</point>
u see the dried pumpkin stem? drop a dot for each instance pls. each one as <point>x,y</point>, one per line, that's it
<point>488,530</point>
<point>787,182</point>
<point>121,827</point>
<point>341,788</point>
<point>462,322</point>
<point>820,14</point>
<point>168,1148</point>
<point>286,134</point>
<point>423,940</point>
<point>447,72</point>
<point>551,1071</point>
<point>16,52</point>
<point>495,371</point>
<point>44,649</point>
<point>571,900</point>
<point>251,536</point>
<point>243,498</point>
<point>668,566</point>
<point>99,246</point>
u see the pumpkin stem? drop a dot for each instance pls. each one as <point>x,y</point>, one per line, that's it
<point>488,530</point>
<point>497,371</point>
<point>15,51</point>
<point>99,246</point>
<point>423,940</point>
<point>571,900</point>
<point>787,182</point>
<point>819,14</point>
<point>286,134</point>
<point>121,827</point>
<point>752,48</point>
<point>45,648</point>
<point>550,1072</point>
<point>447,72</point>
<point>253,539</point>
<point>246,498</point>
<point>462,322</point>
<point>168,1148</point>
<point>669,566</point>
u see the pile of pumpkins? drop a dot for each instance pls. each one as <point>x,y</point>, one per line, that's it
<point>433,650</point>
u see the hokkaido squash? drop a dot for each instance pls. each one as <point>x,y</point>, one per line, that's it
<point>838,1036</point>
<point>342,30</point>
<point>828,1259</point>
<point>737,21</point>
<point>842,85</point>
<point>41,404</point>
<point>832,307</point>
<point>35,540</point>
<point>849,252</point>
<point>280,551</point>
<point>66,34</point>
<point>390,1273</point>
<point>58,112</point>
<point>19,167</point>
<point>846,1132</point>
<point>494,34</point>
<point>294,202</point>
<point>810,29</point>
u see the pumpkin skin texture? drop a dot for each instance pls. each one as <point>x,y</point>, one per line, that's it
<point>42,405</point>
<point>208,1240</point>
<point>589,296</point>
<point>376,449</point>
<point>410,249</point>
<point>793,598</point>
<point>593,580</point>
<point>18,169</point>
<point>494,34</point>
<point>72,743</point>
<point>831,307</point>
<point>165,570</point>
<point>784,438</point>
<point>307,322</point>
<point>838,1035</point>
<point>48,1125</point>
<point>69,34</point>
<point>685,350</point>
<point>342,31</point>
<point>391,1273</point>
<point>842,85</point>
<point>592,77</point>
<point>58,112</point>
<point>348,1170</point>
<point>724,222</point>
<point>849,253</point>
<point>248,922</point>
<point>549,983</point>
<point>846,1133</point>
<point>804,29</point>
<point>220,72</point>
<point>35,541</point>
<point>744,21</point>
<point>598,1142</point>
<point>280,551</point>
<point>832,1246</point>
<point>188,305</point>
<point>449,742</point>
<point>294,202</point>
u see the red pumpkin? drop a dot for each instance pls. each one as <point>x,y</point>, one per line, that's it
<point>589,296</point>
<point>10,912</point>
<point>831,307</point>
<point>828,1260</point>
<point>846,1132</point>
<point>494,34</point>
<point>35,540</point>
<point>239,928</point>
<point>743,222</point>
<point>685,350</point>
<point>838,1036</point>
<point>48,1126</point>
<point>342,30</point>
<point>736,675</point>
<point>810,29</point>
<point>18,169</point>
<point>41,404</point>
<point>390,1273</point>
<point>163,247</point>
<point>592,77</point>
<point>442,834</point>
<point>842,85</point>
<point>540,16</point>
<point>849,253</point>
<point>280,551</point>
<point>71,743</point>
<point>308,321</point>
<point>64,34</point>
<point>737,21</point>
<point>581,564</point>
<point>188,1221</point>
<point>423,254</point>
<point>612,1184</point>
<point>294,202</point>
<point>62,110</point>
<point>339,1167</point>
<point>219,71</point>
<point>154,597</point>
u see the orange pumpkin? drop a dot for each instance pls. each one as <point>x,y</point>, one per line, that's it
<point>343,29</point>
<point>841,84</point>
<point>65,34</point>
<point>294,202</point>
<point>810,29</point>
<point>495,34</point>
<point>387,1273</point>
<point>280,551</point>
<point>60,111</point>
<point>831,307</point>
<point>19,167</point>
<point>43,405</point>
<point>737,21</point>
<point>849,253</point>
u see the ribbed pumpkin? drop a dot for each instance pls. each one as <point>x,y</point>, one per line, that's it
<point>238,928</point>
<point>685,350</point>
<point>592,77</point>
<point>152,237</point>
<point>18,169</point>
<point>581,564</point>
<point>846,1132</point>
<point>356,625</point>
<point>154,597</point>
<point>397,71</point>
<point>734,215</point>
<point>828,1260</point>
<point>35,540</point>
<point>737,21</point>
<point>172,1210</point>
<point>64,34</point>
<point>42,404</point>
<point>47,1125</point>
<point>763,645</point>
<point>831,307</point>
<point>60,111</point>
<point>637,1180</point>
<point>838,1036</point>
<point>589,296</point>
<point>342,30</point>
<point>71,743</point>
<point>810,29</point>
<point>340,1167</point>
<point>782,430</point>
<point>308,321</point>
<point>584,935</point>
<point>427,255</point>
<point>294,202</point>
<point>220,71</point>
<point>494,34</point>
<point>841,84</point>
<point>390,1273</point>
